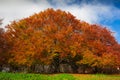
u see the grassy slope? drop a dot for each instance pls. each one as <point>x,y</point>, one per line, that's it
<point>21,76</point>
<point>96,77</point>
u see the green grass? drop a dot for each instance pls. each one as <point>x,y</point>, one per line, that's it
<point>22,76</point>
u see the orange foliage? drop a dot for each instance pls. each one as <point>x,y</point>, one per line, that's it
<point>43,36</point>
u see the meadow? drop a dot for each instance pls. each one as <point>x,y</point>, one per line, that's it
<point>23,76</point>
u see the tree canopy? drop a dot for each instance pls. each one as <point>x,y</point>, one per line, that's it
<point>50,34</point>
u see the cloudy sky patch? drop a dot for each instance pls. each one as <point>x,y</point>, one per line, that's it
<point>92,11</point>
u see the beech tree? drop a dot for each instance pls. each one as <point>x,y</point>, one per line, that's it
<point>1,42</point>
<point>50,34</point>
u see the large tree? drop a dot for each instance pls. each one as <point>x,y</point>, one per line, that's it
<point>50,34</point>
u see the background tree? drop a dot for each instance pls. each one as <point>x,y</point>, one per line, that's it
<point>1,42</point>
<point>3,47</point>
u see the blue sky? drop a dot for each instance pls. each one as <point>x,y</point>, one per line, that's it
<point>103,12</point>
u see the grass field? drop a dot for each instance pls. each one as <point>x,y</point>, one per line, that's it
<point>22,76</point>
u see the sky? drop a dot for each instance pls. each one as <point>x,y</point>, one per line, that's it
<point>103,12</point>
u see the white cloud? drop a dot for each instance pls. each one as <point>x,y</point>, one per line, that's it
<point>16,9</point>
<point>92,13</point>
